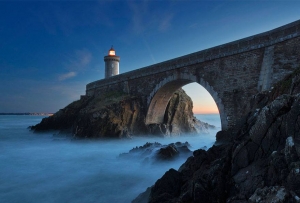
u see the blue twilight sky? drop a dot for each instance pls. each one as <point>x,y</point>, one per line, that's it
<point>49,50</point>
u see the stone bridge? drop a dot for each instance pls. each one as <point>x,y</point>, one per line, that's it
<point>232,73</point>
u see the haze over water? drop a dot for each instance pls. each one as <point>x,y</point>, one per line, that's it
<point>45,168</point>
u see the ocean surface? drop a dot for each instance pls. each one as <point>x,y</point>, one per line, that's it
<point>45,168</point>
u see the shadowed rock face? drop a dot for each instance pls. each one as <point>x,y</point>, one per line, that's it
<point>156,152</point>
<point>258,161</point>
<point>117,115</point>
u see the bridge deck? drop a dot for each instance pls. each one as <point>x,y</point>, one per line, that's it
<point>246,44</point>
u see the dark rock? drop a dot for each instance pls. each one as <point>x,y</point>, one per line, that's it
<point>118,115</point>
<point>274,194</point>
<point>256,161</point>
<point>167,153</point>
<point>167,187</point>
<point>223,137</point>
<point>152,152</point>
<point>293,178</point>
<point>143,152</point>
<point>143,197</point>
<point>248,179</point>
<point>290,152</point>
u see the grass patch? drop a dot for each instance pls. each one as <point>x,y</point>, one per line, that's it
<point>284,85</point>
<point>107,99</point>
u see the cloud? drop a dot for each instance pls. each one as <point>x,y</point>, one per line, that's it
<point>138,10</point>
<point>165,23</point>
<point>149,49</point>
<point>79,60</point>
<point>76,63</point>
<point>67,76</point>
<point>57,18</point>
<point>193,25</point>
<point>146,16</point>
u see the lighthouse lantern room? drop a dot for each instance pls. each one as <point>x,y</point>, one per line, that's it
<point>111,63</point>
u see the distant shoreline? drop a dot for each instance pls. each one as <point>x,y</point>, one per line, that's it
<point>26,114</point>
<point>206,113</point>
<point>50,114</point>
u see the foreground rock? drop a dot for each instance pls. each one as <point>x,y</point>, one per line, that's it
<point>258,161</point>
<point>153,152</point>
<point>117,115</point>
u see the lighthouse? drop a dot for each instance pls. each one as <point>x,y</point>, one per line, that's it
<point>111,63</point>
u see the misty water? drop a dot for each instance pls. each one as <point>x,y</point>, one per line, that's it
<point>45,168</point>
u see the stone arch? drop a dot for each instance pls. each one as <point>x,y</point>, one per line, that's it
<point>160,96</point>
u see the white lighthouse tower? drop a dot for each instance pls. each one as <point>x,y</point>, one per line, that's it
<point>111,63</point>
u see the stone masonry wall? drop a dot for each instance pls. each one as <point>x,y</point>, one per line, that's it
<point>232,73</point>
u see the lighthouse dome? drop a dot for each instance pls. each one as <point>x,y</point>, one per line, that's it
<point>111,52</point>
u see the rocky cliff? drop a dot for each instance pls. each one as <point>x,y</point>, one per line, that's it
<point>151,153</point>
<point>116,115</point>
<point>258,161</point>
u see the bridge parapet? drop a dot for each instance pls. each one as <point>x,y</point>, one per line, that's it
<point>258,41</point>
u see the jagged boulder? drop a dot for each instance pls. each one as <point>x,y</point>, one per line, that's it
<point>167,187</point>
<point>153,152</point>
<point>274,194</point>
<point>63,120</point>
<point>179,118</point>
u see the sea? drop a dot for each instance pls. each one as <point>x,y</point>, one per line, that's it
<point>56,169</point>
